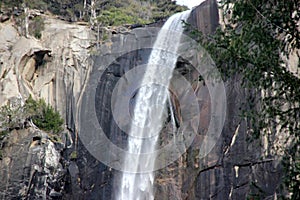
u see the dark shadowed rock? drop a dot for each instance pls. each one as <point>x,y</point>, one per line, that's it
<point>31,166</point>
<point>236,168</point>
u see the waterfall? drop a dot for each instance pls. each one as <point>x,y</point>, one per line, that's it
<point>150,111</point>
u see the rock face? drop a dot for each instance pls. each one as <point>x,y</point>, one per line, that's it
<point>58,68</point>
<point>31,167</point>
<point>236,168</point>
<point>205,17</point>
<point>53,68</point>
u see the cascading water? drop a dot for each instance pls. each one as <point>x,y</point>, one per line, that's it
<point>150,111</point>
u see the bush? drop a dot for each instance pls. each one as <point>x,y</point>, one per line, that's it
<point>119,16</point>
<point>42,115</point>
<point>50,120</point>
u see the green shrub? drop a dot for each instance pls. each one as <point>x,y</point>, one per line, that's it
<point>43,115</point>
<point>50,121</point>
<point>14,115</point>
<point>119,16</point>
<point>73,155</point>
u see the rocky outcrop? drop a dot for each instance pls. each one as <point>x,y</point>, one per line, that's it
<point>53,68</point>
<point>31,166</point>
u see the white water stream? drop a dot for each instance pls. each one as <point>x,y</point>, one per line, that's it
<point>150,111</point>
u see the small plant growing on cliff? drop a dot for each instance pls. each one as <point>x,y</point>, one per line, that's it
<point>14,116</point>
<point>50,120</point>
<point>73,155</point>
<point>43,115</point>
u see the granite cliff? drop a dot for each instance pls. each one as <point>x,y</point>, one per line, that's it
<point>58,67</point>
